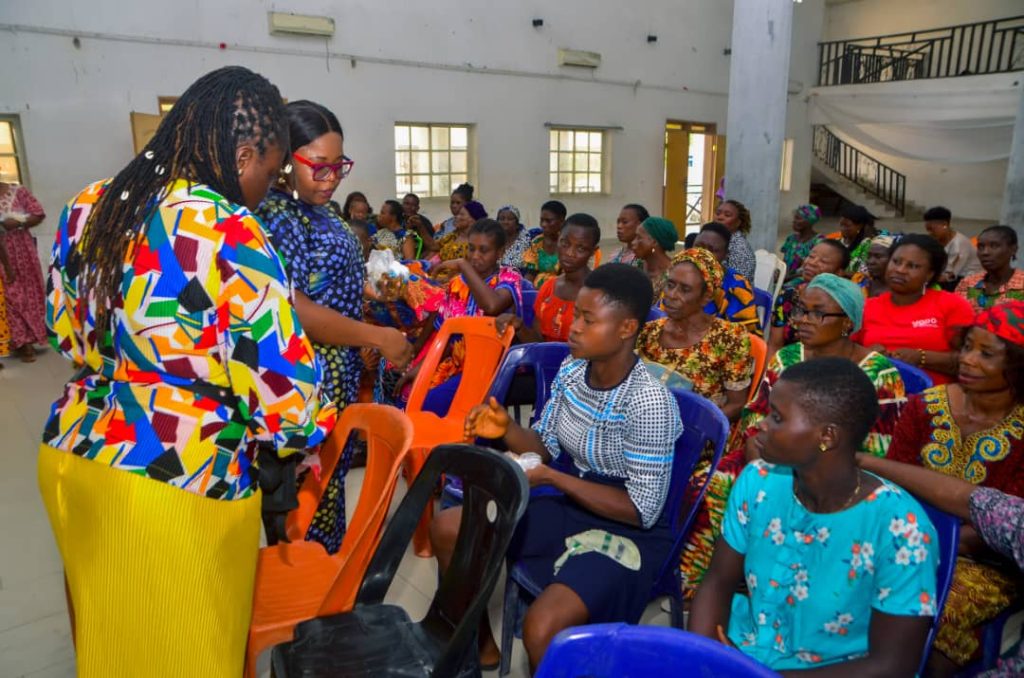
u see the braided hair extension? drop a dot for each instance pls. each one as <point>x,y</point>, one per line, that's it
<point>197,141</point>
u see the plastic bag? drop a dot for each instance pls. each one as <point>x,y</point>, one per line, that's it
<point>386,274</point>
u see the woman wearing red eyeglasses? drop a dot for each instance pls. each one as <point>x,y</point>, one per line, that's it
<point>325,264</point>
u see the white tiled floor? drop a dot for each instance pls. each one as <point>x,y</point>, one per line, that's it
<point>35,637</point>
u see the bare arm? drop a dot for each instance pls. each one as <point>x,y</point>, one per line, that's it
<point>712,604</point>
<point>946,493</point>
<point>527,334</point>
<point>776,340</point>
<point>491,301</point>
<point>606,501</point>
<point>326,326</point>
<point>734,402</point>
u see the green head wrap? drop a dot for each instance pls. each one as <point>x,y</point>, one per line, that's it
<point>663,231</point>
<point>847,294</point>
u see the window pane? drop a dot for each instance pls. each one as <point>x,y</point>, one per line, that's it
<point>420,184</point>
<point>402,162</point>
<point>565,183</point>
<point>595,141</point>
<point>459,137</point>
<point>421,162</point>
<point>401,184</point>
<point>595,162</point>
<point>6,138</point>
<point>458,162</point>
<point>440,185</point>
<point>420,137</point>
<point>565,162</point>
<point>458,179</point>
<point>438,138</point>
<point>582,141</point>
<point>553,164</point>
<point>9,170</point>
<point>579,183</point>
<point>401,136</point>
<point>565,140</point>
<point>582,162</point>
<point>553,140</point>
<point>595,183</point>
<point>553,182</point>
<point>439,162</point>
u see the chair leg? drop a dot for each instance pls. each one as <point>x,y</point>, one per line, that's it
<point>251,655</point>
<point>509,621</point>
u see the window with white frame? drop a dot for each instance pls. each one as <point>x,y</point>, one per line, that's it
<point>431,160</point>
<point>12,158</point>
<point>576,160</point>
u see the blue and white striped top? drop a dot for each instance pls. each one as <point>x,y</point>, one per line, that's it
<point>627,432</point>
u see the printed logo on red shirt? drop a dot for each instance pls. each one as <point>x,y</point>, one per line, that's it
<point>925,322</point>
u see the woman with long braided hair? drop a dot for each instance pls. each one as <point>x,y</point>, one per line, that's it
<point>165,290</point>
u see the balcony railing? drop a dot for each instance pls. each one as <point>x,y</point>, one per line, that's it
<point>970,49</point>
<point>870,174</point>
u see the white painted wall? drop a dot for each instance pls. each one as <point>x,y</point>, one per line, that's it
<point>74,102</point>
<point>862,18</point>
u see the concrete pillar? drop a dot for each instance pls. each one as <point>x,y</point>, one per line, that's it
<point>1012,213</point>
<point>756,119</point>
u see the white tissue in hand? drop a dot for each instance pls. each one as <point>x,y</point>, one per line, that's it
<point>526,460</point>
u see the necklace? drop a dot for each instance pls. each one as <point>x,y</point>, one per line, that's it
<point>849,501</point>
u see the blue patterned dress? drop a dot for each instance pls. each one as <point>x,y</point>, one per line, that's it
<point>324,261</point>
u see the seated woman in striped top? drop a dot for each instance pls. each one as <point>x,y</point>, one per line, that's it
<point>595,547</point>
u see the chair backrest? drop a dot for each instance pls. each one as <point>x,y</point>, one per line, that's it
<point>915,380</point>
<point>655,314</point>
<point>496,495</point>
<point>702,422</point>
<point>948,529</point>
<point>484,351</point>
<point>529,298</point>
<point>769,272</point>
<point>759,354</point>
<point>650,651</point>
<point>763,301</point>
<point>543,359</point>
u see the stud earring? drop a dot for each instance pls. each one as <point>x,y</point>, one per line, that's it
<point>823,448</point>
<point>295,194</point>
<point>239,171</point>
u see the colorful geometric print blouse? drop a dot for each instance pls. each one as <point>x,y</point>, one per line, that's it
<point>205,300</point>
<point>972,288</point>
<point>815,578</point>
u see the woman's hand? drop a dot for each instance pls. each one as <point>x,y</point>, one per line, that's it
<point>539,475</point>
<point>451,267</point>
<point>10,223</point>
<point>406,378</point>
<point>395,347</point>
<point>488,420</point>
<point>911,356</point>
<point>502,322</point>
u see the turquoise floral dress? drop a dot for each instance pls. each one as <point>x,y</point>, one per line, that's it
<point>814,578</point>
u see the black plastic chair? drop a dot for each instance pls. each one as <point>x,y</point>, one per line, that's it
<point>377,639</point>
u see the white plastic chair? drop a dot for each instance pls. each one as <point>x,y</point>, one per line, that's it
<point>769,273</point>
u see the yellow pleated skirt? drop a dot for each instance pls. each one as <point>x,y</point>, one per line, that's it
<point>161,580</point>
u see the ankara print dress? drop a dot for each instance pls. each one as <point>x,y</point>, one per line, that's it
<point>324,262</point>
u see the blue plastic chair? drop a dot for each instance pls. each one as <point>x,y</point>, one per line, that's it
<point>947,527</point>
<point>915,380</point>
<point>763,302</point>
<point>655,314</point>
<point>702,422</point>
<point>529,297</point>
<point>624,651</point>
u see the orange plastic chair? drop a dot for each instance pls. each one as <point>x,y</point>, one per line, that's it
<point>484,353</point>
<point>298,581</point>
<point>759,352</point>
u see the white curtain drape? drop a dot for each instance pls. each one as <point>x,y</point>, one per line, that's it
<point>950,120</point>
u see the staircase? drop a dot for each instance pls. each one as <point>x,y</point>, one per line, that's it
<point>861,178</point>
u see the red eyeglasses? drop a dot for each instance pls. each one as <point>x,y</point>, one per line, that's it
<point>322,171</point>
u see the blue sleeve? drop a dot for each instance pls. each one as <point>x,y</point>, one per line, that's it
<point>289,239</point>
<point>736,521</point>
<point>905,561</point>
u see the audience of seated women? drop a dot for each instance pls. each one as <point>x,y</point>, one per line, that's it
<point>630,218</point>
<point>655,238</point>
<point>599,543</point>
<point>877,261</point>
<point>973,430</point>
<point>540,259</point>
<point>712,354</point>
<point>734,300</point>
<point>913,322</point>
<point>830,309</point>
<point>454,245</point>
<point>462,194</point>
<point>736,217</point>
<point>555,306</point>
<point>479,286</point>
<point>839,564</point>
<point>390,233</point>
<point>516,235</point>
<point>999,281</point>
<point>799,243</point>
<point>857,228</point>
<point>828,256</point>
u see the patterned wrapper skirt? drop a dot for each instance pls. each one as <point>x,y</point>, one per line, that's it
<point>161,580</point>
